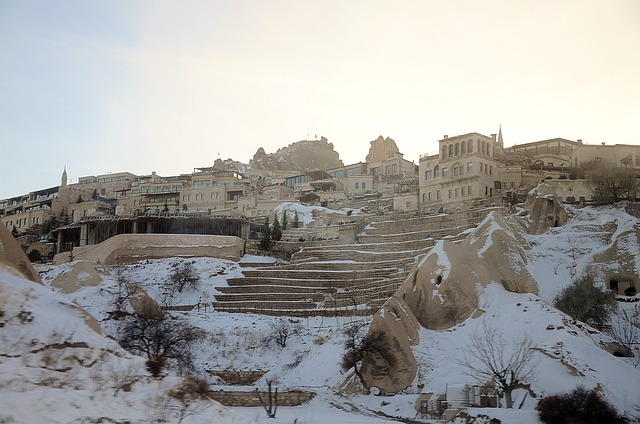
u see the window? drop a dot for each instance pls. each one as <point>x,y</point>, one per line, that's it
<point>457,149</point>
<point>469,190</point>
<point>364,185</point>
<point>463,147</point>
<point>429,197</point>
<point>450,193</point>
<point>451,150</point>
<point>428,175</point>
<point>436,171</point>
<point>357,185</point>
<point>456,192</point>
<point>490,170</point>
<point>469,146</point>
<point>444,152</point>
<point>512,184</point>
<point>462,191</point>
<point>455,171</point>
<point>445,172</point>
<point>469,167</point>
<point>438,195</point>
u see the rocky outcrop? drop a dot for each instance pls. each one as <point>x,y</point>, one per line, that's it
<point>13,258</point>
<point>444,290</point>
<point>305,155</point>
<point>382,149</point>
<point>545,210</point>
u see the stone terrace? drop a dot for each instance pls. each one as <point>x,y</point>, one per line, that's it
<point>344,279</point>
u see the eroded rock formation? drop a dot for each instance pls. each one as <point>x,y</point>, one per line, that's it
<point>382,149</point>
<point>13,258</point>
<point>305,155</point>
<point>444,290</point>
<point>545,210</point>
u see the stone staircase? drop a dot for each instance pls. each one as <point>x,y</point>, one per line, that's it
<point>343,279</point>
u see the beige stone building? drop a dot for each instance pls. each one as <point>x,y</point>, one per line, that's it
<point>153,193</point>
<point>33,211</point>
<point>465,169</point>
<point>111,186</point>
<point>620,155</point>
<point>553,152</point>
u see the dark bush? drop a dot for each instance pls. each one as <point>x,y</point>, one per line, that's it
<point>579,406</point>
<point>34,255</point>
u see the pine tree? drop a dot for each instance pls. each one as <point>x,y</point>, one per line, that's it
<point>265,239</point>
<point>276,230</point>
<point>285,221</point>
<point>296,220</point>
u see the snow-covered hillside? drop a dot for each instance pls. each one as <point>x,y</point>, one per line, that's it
<point>35,388</point>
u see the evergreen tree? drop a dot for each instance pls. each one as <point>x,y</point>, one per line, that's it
<point>265,239</point>
<point>285,221</point>
<point>296,220</point>
<point>94,195</point>
<point>276,230</point>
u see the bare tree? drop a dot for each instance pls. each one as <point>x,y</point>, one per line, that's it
<point>160,338</point>
<point>282,331</point>
<point>490,357</point>
<point>360,344</point>
<point>625,329</point>
<point>184,275</point>
<point>271,405</point>
<point>611,184</point>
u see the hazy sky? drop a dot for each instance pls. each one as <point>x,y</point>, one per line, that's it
<point>166,86</point>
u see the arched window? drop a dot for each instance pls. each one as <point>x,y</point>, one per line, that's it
<point>444,152</point>
<point>436,171</point>
<point>457,149</point>
<point>450,149</point>
<point>483,148</point>
<point>429,197</point>
<point>469,146</point>
<point>478,145</point>
<point>463,147</point>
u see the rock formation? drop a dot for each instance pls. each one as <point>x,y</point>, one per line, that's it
<point>545,210</point>
<point>444,290</point>
<point>305,155</point>
<point>382,149</point>
<point>13,258</point>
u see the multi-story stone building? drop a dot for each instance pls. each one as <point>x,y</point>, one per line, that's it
<point>465,169</point>
<point>620,155</point>
<point>110,186</point>
<point>36,209</point>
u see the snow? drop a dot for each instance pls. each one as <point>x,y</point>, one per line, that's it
<point>567,354</point>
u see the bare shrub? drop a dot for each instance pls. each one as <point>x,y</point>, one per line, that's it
<point>576,407</point>
<point>184,275</point>
<point>160,339</point>
<point>190,394</point>
<point>281,331</point>
<point>359,345</point>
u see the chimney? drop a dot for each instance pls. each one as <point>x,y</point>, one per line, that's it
<point>580,140</point>
<point>603,143</point>
<point>445,136</point>
<point>494,136</point>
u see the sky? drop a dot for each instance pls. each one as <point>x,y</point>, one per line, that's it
<point>168,86</point>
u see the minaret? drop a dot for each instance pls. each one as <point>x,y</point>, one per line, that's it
<point>500,141</point>
<point>63,180</point>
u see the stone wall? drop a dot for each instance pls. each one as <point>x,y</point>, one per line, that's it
<point>128,248</point>
<point>251,398</point>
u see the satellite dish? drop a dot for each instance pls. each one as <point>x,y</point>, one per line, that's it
<point>374,391</point>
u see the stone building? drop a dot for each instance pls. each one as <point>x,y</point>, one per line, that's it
<point>465,169</point>
<point>620,155</point>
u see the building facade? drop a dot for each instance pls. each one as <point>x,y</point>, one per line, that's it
<point>465,169</point>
